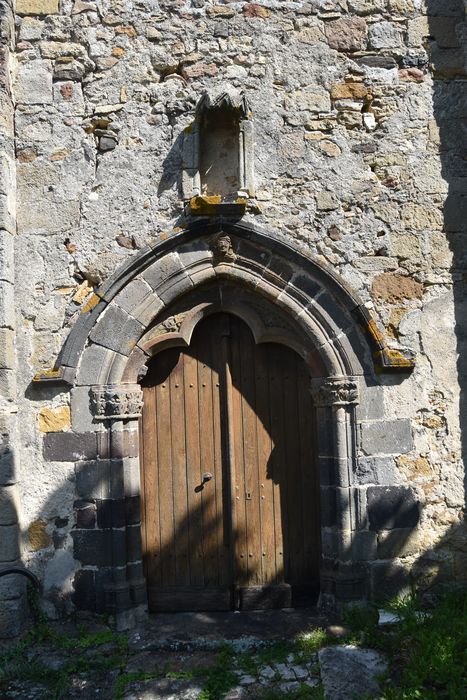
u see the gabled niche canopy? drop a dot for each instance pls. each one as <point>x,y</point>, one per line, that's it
<point>218,153</point>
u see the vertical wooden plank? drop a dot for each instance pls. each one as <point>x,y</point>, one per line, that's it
<point>193,469</point>
<point>150,513</point>
<point>179,477</point>
<point>250,452</point>
<point>309,479</point>
<point>239,523</point>
<point>294,500</point>
<point>265,482</point>
<point>217,334</point>
<point>207,452</point>
<point>277,460</point>
<point>165,483</point>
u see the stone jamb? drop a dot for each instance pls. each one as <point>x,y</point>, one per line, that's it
<point>119,407</point>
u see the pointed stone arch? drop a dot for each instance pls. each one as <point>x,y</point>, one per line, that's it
<point>156,300</point>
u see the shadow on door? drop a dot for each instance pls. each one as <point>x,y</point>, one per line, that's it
<point>230,489</point>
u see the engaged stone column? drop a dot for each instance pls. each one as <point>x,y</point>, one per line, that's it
<point>118,512</point>
<point>334,399</point>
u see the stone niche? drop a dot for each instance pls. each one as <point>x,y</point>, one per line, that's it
<point>218,153</point>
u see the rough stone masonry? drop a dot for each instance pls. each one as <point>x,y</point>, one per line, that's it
<point>359,163</point>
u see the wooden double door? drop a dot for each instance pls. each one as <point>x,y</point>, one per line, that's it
<point>230,510</point>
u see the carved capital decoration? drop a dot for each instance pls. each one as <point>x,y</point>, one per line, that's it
<point>119,402</point>
<point>334,391</point>
<point>222,249</point>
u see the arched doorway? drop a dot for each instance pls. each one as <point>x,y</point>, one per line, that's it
<point>230,505</point>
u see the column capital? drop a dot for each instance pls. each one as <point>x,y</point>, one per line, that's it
<point>334,391</point>
<point>116,401</point>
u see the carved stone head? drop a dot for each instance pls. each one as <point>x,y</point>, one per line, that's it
<point>222,249</point>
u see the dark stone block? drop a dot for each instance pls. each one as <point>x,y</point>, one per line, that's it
<point>252,255</point>
<point>100,547</point>
<point>133,540</point>
<point>364,546</point>
<point>69,447</point>
<point>377,61</point>
<point>328,506</point>
<point>455,213</point>
<point>118,444</point>
<point>167,267</point>
<point>392,507</point>
<point>394,543</point>
<point>85,515</point>
<point>101,478</point>
<point>328,542</point>
<point>117,331</point>
<point>133,510</point>
<point>110,513</point>
<point>84,597</point>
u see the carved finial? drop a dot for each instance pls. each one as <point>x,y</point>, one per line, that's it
<point>222,249</point>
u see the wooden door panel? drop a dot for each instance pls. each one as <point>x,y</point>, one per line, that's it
<point>249,536</point>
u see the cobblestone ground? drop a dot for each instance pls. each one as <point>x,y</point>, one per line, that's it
<point>194,658</point>
<point>264,656</point>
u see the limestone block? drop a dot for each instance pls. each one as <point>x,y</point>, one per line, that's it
<point>54,420</point>
<point>9,505</point>
<point>366,7</point>
<point>7,349</point>
<point>386,437</point>
<point>37,7</point>
<point>418,216</point>
<point>38,538</point>
<point>418,31</point>
<point>8,384</point>
<point>385,35</point>
<point>310,35</point>
<point>46,214</point>
<point>31,29</point>
<point>6,256</point>
<point>7,305</point>
<point>345,670</point>
<point>401,7</point>
<point>405,245</point>
<point>310,101</point>
<point>58,49</point>
<point>33,83</point>
<point>68,97</point>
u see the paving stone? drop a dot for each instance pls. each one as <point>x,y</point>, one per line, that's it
<point>163,689</point>
<point>348,672</point>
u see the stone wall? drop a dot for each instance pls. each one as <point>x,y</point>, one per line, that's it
<point>359,114</point>
<point>12,588</point>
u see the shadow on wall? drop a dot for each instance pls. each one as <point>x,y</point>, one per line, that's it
<point>445,562</point>
<point>447,49</point>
